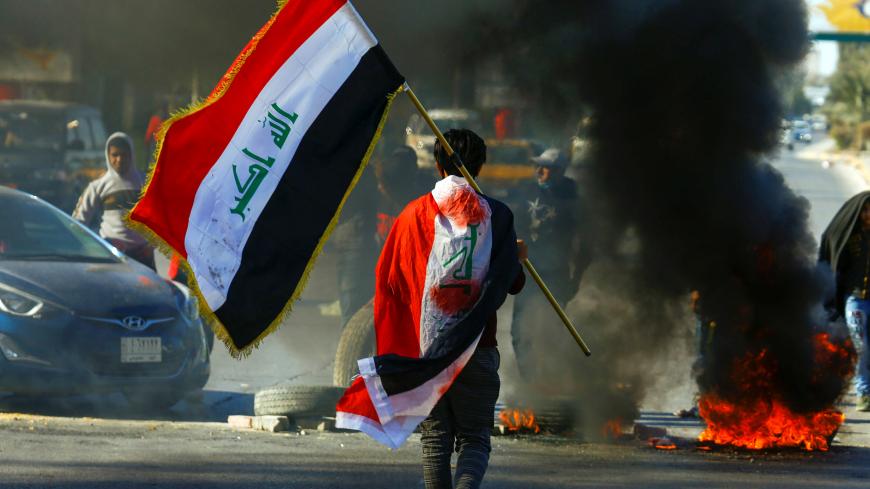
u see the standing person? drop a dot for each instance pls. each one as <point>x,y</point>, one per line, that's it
<point>845,247</point>
<point>462,419</point>
<point>106,200</point>
<point>399,182</point>
<point>353,241</point>
<point>547,210</point>
<point>365,222</point>
<point>449,261</point>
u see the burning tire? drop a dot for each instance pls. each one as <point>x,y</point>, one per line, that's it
<point>357,341</point>
<point>297,400</point>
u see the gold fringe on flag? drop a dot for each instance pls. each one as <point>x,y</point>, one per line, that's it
<point>220,331</point>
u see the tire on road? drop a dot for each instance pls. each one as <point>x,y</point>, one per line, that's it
<point>297,400</point>
<point>357,341</point>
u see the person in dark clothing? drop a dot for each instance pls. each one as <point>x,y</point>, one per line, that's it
<point>462,419</point>
<point>548,211</point>
<point>845,247</point>
<point>399,181</point>
<point>354,243</point>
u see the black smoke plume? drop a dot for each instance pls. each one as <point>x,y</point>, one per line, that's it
<point>684,112</point>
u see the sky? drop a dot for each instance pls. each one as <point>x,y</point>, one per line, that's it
<point>825,61</point>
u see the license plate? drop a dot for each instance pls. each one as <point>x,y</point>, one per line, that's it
<point>141,350</point>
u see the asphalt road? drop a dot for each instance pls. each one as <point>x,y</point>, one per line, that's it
<point>89,442</point>
<point>93,453</point>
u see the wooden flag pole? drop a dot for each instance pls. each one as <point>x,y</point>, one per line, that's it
<point>534,273</point>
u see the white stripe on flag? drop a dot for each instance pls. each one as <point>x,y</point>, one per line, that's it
<point>446,259</point>
<point>303,85</point>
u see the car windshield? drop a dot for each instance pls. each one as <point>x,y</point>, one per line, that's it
<point>33,230</point>
<point>22,129</point>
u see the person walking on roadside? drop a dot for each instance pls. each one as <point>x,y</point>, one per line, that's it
<point>449,261</point>
<point>106,200</point>
<point>845,247</point>
<point>462,419</point>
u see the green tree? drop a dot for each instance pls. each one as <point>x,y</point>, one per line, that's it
<point>848,104</point>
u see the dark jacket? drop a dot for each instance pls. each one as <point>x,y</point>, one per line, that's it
<point>833,241</point>
<point>548,219</point>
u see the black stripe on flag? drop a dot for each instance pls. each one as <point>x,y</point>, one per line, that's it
<point>288,230</point>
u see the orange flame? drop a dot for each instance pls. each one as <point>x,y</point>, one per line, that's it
<point>612,429</point>
<point>516,420</point>
<point>766,424</point>
<point>761,420</point>
<point>663,443</point>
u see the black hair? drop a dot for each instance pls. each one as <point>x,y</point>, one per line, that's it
<point>399,167</point>
<point>468,145</point>
<point>119,142</point>
<point>402,157</point>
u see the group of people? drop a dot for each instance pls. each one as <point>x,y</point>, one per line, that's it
<point>545,209</point>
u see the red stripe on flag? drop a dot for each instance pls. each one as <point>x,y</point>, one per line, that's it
<point>189,148</point>
<point>401,274</point>
<point>356,400</point>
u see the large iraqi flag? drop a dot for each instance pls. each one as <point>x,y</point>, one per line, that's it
<point>445,269</point>
<point>248,184</point>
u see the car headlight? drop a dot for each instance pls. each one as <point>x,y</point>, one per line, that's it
<point>187,303</point>
<point>19,304</point>
<point>191,308</point>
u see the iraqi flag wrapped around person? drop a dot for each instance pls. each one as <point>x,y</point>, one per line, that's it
<point>248,184</point>
<point>445,269</point>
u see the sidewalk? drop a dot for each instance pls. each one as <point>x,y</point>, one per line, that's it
<point>826,150</point>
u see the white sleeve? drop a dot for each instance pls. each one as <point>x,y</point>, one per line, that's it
<point>89,208</point>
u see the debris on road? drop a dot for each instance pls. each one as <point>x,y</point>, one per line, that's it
<point>644,432</point>
<point>272,424</point>
<point>241,422</point>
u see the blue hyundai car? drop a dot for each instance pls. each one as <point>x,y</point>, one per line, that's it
<point>78,317</point>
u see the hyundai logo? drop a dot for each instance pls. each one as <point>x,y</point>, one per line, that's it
<point>134,323</point>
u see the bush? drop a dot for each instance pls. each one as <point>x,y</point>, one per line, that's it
<point>843,133</point>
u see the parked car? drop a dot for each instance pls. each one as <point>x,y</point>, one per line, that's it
<point>78,317</point>
<point>50,149</point>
